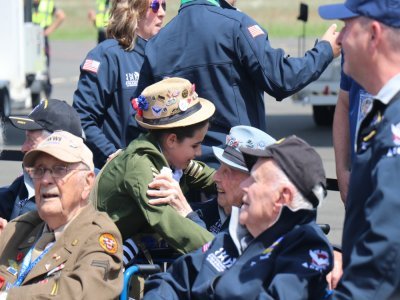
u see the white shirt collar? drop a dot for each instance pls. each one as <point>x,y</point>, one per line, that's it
<point>389,90</point>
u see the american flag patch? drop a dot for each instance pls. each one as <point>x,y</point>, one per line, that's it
<point>91,65</point>
<point>255,30</point>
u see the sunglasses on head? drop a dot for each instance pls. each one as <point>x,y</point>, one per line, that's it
<point>155,5</point>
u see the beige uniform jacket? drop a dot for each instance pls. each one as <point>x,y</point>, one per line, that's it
<point>84,263</point>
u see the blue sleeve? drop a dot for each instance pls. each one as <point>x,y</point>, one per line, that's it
<point>374,268</point>
<point>277,74</point>
<point>177,282</point>
<point>8,195</point>
<point>93,96</point>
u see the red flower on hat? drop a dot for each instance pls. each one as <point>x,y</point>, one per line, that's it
<point>20,256</point>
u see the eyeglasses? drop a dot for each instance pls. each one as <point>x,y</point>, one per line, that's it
<point>55,172</point>
<point>155,6</point>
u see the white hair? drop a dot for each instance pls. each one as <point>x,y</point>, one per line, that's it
<point>298,202</point>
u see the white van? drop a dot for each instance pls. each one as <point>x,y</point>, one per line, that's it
<point>322,94</point>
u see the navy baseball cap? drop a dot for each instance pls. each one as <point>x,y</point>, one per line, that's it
<point>51,115</point>
<point>384,11</point>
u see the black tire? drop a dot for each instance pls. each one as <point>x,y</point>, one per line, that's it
<point>323,114</point>
<point>5,103</point>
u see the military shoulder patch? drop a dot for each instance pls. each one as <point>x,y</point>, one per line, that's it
<point>108,243</point>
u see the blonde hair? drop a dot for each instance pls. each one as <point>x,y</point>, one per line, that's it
<point>123,22</point>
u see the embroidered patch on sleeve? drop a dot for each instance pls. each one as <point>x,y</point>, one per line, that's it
<point>319,260</point>
<point>108,243</point>
<point>255,31</point>
<point>91,65</point>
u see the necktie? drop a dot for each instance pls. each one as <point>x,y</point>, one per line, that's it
<point>43,241</point>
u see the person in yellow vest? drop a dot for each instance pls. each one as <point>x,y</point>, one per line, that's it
<point>49,17</point>
<point>100,18</point>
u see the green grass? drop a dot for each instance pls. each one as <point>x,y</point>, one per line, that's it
<point>279,17</point>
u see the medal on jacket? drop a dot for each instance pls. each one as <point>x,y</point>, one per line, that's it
<point>27,265</point>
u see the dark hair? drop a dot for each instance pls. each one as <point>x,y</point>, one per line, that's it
<point>180,132</point>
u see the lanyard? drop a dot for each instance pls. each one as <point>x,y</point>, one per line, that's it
<point>27,265</point>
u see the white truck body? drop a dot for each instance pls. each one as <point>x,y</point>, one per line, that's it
<point>322,94</point>
<point>22,54</point>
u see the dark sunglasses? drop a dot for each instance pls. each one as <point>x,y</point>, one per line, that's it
<point>155,6</point>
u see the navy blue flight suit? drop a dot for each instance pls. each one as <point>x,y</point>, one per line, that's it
<point>371,233</point>
<point>14,200</point>
<point>229,58</point>
<point>104,94</point>
<point>290,260</point>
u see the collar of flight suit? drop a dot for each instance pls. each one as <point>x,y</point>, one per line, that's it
<point>213,2</point>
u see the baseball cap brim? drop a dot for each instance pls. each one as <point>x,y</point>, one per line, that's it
<point>336,11</point>
<point>251,155</point>
<point>25,123</point>
<point>60,154</point>
<point>205,112</point>
<point>218,152</point>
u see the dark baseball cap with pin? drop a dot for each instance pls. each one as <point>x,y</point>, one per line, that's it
<point>50,115</point>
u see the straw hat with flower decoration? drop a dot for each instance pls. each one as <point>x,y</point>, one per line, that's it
<point>171,103</point>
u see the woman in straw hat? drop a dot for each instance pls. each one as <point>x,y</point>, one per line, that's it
<point>110,74</point>
<point>177,120</point>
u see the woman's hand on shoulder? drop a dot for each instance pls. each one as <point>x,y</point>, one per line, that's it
<point>165,190</point>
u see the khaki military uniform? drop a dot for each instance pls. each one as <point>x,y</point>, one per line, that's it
<point>121,192</point>
<point>84,263</point>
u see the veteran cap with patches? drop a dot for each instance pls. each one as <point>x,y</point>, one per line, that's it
<point>170,103</point>
<point>241,136</point>
<point>50,115</point>
<point>298,160</point>
<point>65,147</point>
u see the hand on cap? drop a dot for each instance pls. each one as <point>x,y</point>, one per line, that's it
<point>165,190</point>
<point>331,36</point>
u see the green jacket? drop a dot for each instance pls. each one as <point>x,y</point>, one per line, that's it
<point>121,192</point>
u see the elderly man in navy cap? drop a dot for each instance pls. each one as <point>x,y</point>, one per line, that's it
<point>371,248</point>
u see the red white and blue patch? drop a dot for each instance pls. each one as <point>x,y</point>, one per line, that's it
<point>91,65</point>
<point>255,31</point>
<point>396,134</point>
<point>319,260</point>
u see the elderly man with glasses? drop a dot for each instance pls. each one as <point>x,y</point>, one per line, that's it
<point>66,248</point>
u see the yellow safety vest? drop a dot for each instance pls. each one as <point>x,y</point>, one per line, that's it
<point>44,15</point>
<point>102,13</point>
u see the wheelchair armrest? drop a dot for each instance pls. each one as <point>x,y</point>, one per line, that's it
<point>325,228</point>
<point>136,269</point>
